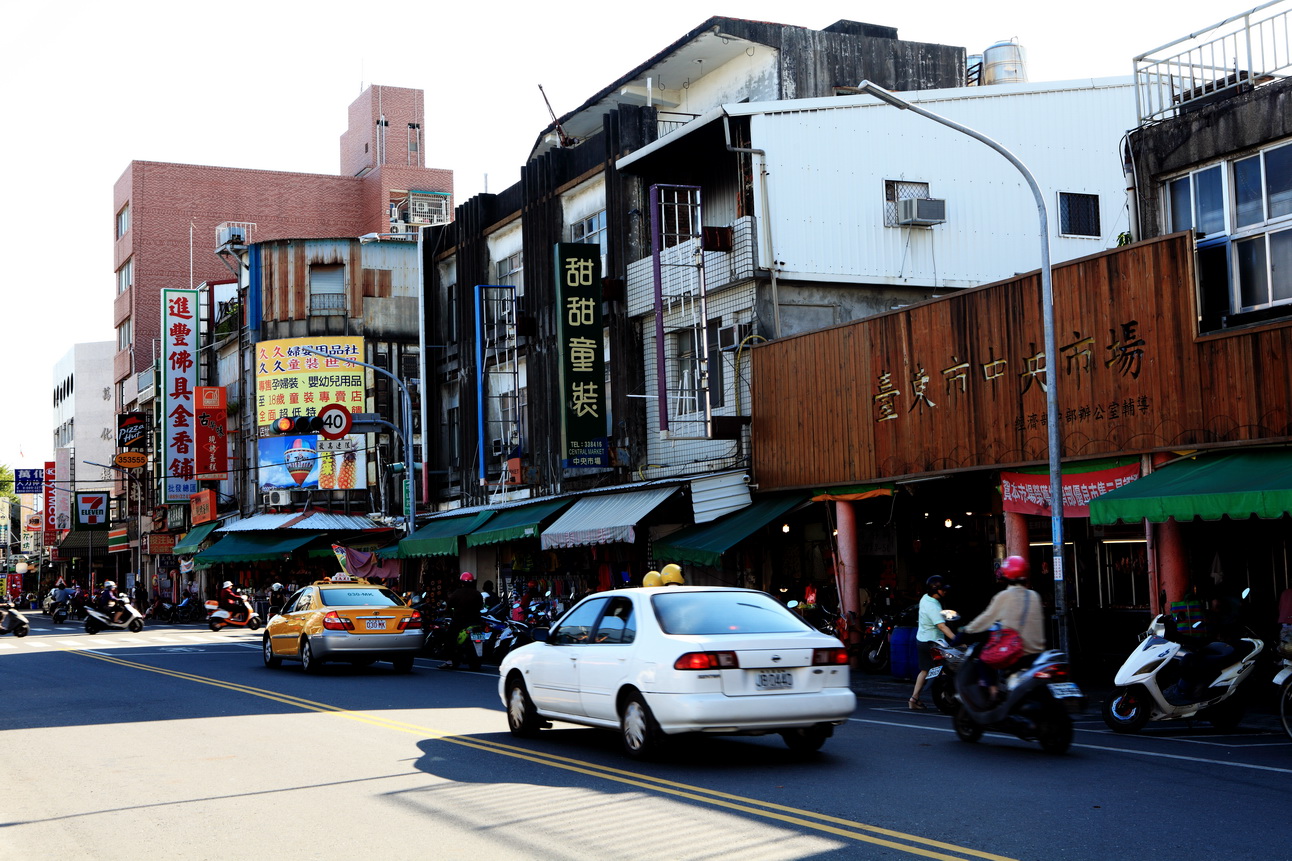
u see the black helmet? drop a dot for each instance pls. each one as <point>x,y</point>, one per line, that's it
<point>935,583</point>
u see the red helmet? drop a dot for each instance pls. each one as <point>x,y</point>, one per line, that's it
<point>1014,569</point>
<point>467,577</point>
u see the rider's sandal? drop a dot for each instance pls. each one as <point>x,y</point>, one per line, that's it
<point>916,705</point>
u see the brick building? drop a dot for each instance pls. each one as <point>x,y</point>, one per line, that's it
<point>167,215</point>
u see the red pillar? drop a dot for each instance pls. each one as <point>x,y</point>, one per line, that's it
<point>1173,569</point>
<point>1016,543</point>
<point>845,515</point>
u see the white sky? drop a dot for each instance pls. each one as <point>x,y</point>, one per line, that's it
<point>266,84</point>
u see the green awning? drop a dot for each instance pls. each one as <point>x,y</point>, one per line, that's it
<point>705,543</point>
<point>523,521</point>
<point>192,540</point>
<point>255,546</point>
<point>440,536</point>
<point>1244,484</point>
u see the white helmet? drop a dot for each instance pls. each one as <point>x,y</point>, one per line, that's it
<point>108,584</point>
<point>226,584</point>
<point>277,587</point>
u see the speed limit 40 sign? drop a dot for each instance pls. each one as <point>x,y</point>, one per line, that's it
<point>336,421</point>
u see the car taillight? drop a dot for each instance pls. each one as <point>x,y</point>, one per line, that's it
<point>1053,671</point>
<point>334,621</point>
<point>415,620</point>
<point>707,661</point>
<point>829,657</point>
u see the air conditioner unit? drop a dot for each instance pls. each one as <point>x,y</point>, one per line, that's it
<point>730,337</point>
<point>232,235</point>
<point>921,211</point>
<point>278,498</point>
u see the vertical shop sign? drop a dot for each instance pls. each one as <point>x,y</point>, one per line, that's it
<point>583,365</point>
<point>51,515</point>
<point>132,431</point>
<point>180,352</point>
<point>211,429</point>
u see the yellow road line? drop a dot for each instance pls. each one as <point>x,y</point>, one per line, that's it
<point>821,822</point>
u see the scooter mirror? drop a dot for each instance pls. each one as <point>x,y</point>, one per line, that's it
<point>1247,592</point>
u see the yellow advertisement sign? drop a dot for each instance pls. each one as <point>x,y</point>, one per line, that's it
<point>292,379</point>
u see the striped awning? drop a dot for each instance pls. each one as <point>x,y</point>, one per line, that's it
<point>608,518</point>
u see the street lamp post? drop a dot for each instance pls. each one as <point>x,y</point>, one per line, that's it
<point>1051,349</point>
<point>406,412</point>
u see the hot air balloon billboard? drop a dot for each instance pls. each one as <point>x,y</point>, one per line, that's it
<point>311,463</point>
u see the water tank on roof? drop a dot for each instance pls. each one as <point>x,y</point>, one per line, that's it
<point>1004,63</point>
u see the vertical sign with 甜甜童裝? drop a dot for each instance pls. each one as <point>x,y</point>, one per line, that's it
<point>583,364</point>
<point>180,352</point>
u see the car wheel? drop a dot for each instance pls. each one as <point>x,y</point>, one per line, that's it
<point>966,729</point>
<point>136,625</point>
<point>807,739</point>
<point>267,651</point>
<point>1127,710</point>
<point>943,691</point>
<point>1054,730</point>
<point>522,717</point>
<point>309,663</point>
<point>639,731</point>
<point>403,664</point>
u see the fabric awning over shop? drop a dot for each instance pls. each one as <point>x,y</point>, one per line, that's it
<point>705,543</point>
<point>523,521</point>
<point>440,536</point>
<point>192,540</point>
<point>1243,484</point>
<point>854,493</point>
<point>85,539</point>
<point>254,546</point>
<point>605,519</point>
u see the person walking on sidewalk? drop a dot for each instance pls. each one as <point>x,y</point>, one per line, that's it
<point>932,627</point>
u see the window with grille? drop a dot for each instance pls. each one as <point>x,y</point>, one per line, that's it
<point>679,210</point>
<point>1079,214</point>
<point>900,189</point>
<point>327,290</point>
<point>511,270</point>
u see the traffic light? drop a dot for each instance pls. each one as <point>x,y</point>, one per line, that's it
<point>297,425</point>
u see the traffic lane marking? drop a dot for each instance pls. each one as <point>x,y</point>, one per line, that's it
<point>811,820</point>
<point>1130,750</point>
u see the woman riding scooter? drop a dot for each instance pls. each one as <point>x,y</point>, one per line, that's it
<point>1015,607</point>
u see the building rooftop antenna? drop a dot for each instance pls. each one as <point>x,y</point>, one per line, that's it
<point>565,139</point>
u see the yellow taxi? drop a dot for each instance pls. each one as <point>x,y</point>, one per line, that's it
<point>347,619</point>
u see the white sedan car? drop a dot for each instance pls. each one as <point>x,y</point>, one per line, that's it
<point>662,661</point>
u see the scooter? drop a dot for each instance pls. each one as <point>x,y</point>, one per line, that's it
<point>97,620</point>
<point>1166,679</point>
<point>58,615</point>
<point>1283,677</point>
<point>13,622</point>
<point>244,617</point>
<point>1036,706</point>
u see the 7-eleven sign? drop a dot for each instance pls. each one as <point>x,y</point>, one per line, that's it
<point>92,510</point>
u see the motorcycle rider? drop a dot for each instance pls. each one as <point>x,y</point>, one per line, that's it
<point>109,600</point>
<point>229,599</point>
<point>932,627</point>
<point>1017,607</point>
<point>464,611</point>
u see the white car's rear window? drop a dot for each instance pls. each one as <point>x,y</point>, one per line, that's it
<point>723,613</point>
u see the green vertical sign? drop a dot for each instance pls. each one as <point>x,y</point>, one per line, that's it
<point>583,364</point>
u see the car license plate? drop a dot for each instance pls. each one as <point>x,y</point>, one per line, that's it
<point>934,673</point>
<point>1064,689</point>
<point>771,681</point>
<point>374,624</point>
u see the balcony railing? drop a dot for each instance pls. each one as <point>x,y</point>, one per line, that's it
<point>1240,52</point>
<point>671,121</point>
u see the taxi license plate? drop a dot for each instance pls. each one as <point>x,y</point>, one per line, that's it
<point>374,624</point>
<point>772,681</point>
<point>934,673</point>
<point>1064,689</point>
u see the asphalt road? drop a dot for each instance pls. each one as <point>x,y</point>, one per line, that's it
<point>177,743</point>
